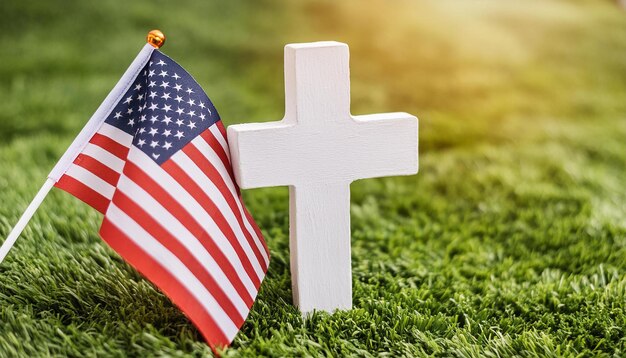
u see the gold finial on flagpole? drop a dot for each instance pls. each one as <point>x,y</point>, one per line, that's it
<point>156,38</point>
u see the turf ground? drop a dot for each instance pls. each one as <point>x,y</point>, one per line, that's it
<point>510,241</point>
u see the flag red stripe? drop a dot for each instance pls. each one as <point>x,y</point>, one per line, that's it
<point>255,227</point>
<point>214,176</point>
<point>192,188</point>
<point>147,222</point>
<point>217,147</point>
<point>97,168</point>
<point>177,292</point>
<point>221,127</point>
<point>110,145</point>
<point>83,192</point>
<point>137,175</point>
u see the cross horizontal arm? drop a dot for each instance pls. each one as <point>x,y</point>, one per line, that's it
<point>358,147</point>
<point>387,145</point>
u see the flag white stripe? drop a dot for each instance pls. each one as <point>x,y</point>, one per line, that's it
<point>209,188</point>
<point>91,180</point>
<point>220,138</point>
<point>193,208</point>
<point>208,152</point>
<point>174,266</point>
<point>104,156</point>
<point>116,134</point>
<point>153,208</point>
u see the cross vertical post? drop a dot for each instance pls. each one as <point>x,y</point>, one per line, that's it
<point>319,240</point>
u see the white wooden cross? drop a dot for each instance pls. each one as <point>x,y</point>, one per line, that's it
<point>318,149</point>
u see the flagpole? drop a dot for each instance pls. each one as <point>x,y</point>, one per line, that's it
<point>25,218</point>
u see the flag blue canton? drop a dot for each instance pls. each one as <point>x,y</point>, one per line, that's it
<point>163,109</point>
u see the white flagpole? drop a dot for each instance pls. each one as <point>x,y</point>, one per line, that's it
<point>80,142</point>
<point>25,218</point>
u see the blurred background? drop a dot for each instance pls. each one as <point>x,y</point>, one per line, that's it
<point>511,238</point>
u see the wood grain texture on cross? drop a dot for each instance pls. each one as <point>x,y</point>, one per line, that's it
<point>318,149</point>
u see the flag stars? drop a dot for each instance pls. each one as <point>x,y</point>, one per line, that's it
<point>162,110</point>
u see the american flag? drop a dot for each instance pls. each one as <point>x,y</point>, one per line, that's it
<point>157,166</point>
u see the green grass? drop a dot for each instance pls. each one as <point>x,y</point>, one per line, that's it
<point>510,241</point>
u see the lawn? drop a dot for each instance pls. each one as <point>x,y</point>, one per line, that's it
<point>510,241</point>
